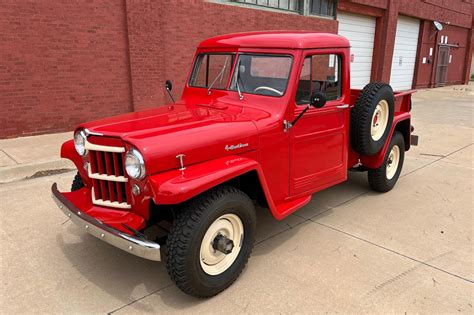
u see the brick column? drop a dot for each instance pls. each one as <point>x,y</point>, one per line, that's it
<point>385,43</point>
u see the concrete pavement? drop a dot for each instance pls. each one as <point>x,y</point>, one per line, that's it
<point>30,156</point>
<point>349,251</point>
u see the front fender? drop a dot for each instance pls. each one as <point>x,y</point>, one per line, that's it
<point>68,151</point>
<point>177,186</point>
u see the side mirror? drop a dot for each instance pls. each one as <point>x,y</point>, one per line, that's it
<point>169,85</point>
<point>317,100</point>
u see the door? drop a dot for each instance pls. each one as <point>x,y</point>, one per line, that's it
<point>360,31</point>
<point>318,143</point>
<point>442,67</point>
<point>404,53</point>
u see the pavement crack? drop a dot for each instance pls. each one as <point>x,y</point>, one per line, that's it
<point>425,263</point>
<point>9,156</point>
<point>437,160</point>
<point>404,273</point>
<point>139,299</point>
<point>428,154</point>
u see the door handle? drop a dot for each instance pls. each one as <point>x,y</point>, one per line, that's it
<point>342,106</point>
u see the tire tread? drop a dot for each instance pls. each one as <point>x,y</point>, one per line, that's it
<point>361,116</point>
<point>179,236</point>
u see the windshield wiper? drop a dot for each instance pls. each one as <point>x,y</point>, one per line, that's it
<point>220,75</point>
<point>241,97</point>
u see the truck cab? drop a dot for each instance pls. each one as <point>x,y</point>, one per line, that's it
<point>265,118</point>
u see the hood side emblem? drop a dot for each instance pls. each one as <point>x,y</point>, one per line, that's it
<point>236,146</point>
<point>180,157</point>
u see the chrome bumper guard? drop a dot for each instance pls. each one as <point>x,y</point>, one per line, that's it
<point>137,246</point>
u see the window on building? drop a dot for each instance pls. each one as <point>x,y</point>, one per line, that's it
<point>323,7</point>
<point>312,7</point>
<point>320,73</point>
<point>288,5</point>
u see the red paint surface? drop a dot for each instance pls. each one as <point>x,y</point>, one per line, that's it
<point>113,217</point>
<point>291,165</point>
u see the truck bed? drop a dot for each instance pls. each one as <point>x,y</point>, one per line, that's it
<point>402,99</point>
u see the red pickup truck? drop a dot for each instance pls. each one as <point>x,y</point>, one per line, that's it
<point>266,118</point>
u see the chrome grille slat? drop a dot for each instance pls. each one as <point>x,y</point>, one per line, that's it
<point>107,173</point>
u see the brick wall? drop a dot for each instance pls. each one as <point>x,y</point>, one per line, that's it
<point>61,63</point>
<point>64,62</point>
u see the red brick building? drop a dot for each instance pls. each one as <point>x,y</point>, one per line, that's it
<point>62,63</point>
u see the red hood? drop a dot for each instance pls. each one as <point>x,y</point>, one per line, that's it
<point>201,132</point>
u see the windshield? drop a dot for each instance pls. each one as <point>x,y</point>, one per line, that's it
<point>254,73</point>
<point>261,74</point>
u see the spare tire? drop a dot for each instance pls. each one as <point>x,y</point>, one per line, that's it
<point>372,118</point>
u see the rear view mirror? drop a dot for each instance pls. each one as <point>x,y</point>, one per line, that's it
<point>317,100</point>
<point>169,85</point>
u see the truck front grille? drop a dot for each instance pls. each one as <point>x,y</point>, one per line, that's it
<point>109,179</point>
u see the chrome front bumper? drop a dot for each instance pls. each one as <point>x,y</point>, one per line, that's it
<point>137,246</point>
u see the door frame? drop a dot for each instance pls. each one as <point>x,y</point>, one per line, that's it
<point>294,110</point>
<point>437,69</point>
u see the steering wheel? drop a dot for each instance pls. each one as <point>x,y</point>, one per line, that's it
<point>267,88</point>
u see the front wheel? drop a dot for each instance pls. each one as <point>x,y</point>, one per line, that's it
<point>210,241</point>
<point>386,176</point>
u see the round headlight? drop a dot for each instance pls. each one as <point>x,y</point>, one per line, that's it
<point>80,142</point>
<point>134,164</point>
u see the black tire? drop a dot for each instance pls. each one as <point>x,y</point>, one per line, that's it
<point>378,180</point>
<point>361,118</point>
<point>77,182</point>
<point>186,235</point>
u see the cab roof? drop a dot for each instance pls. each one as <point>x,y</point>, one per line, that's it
<point>276,39</point>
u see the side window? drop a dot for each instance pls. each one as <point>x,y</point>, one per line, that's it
<point>320,73</point>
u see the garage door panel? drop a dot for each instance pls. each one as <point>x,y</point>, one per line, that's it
<point>360,30</point>
<point>361,68</point>
<point>404,53</point>
<point>361,60</point>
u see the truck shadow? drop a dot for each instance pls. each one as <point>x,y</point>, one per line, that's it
<point>119,274</point>
<point>128,278</point>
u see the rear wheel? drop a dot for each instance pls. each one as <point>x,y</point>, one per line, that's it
<point>386,176</point>
<point>210,241</point>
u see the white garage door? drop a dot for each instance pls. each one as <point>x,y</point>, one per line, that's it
<point>404,53</point>
<point>359,30</point>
